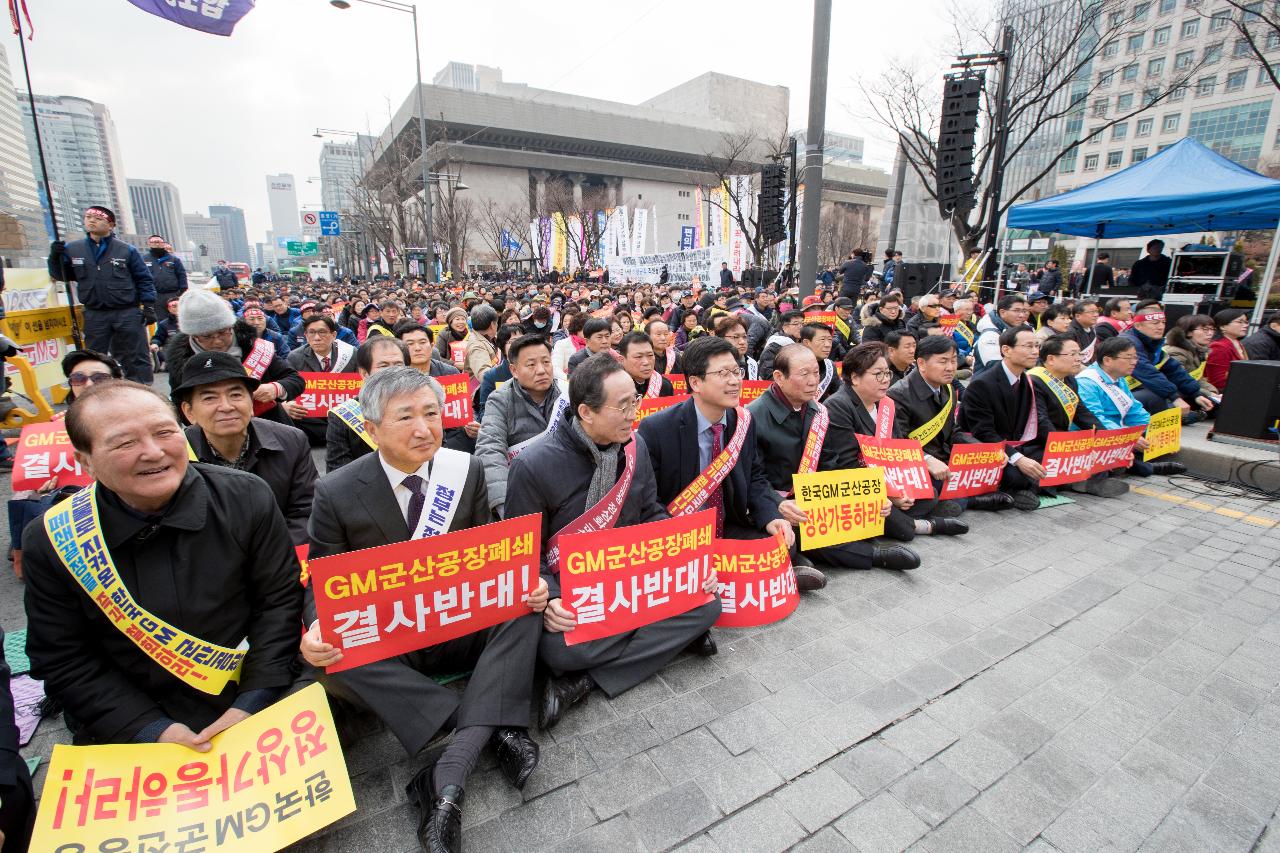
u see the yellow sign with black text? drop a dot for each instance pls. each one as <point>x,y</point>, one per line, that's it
<point>1164,434</point>
<point>843,506</point>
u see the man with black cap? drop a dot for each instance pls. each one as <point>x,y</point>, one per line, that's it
<point>216,396</point>
<point>168,272</point>
<point>843,338</point>
<point>112,281</point>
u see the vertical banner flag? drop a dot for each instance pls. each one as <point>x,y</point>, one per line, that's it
<point>1164,434</point>
<point>699,219</point>
<point>639,230</point>
<point>216,17</point>
<point>267,782</point>
<point>688,236</point>
<point>843,506</point>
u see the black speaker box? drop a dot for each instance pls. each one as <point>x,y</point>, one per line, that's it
<point>1251,400</point>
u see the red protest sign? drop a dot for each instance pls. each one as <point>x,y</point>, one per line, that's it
<point>1068,457</point>
<point>753,388</point>
<point>381,602</point>
<point>457,400</point>
<point>974,469</point>
<point>827,318</point>
<point>902,459</point>
<point>458,353</point>
<point>45,451</point>
<point>949,322</point>
<point>1113,448</point>
<point>755,581</point>
<point>677,382</point>
<point>327,391</point>
<point>650,405</point>
<point>624,578</point>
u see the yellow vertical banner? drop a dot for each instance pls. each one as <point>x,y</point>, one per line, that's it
<point>843,506</point>
<point>267,782</point>
<point>1164,434</point>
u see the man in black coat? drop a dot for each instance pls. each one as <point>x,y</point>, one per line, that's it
<point>999,406</point>
<point>783,418</point>
<point>856,273</point>
<point>587,454</point>
<point>1264,344</point>
<point>370,503</point>
<point>925,404</point>
<point>199,547</point>
<point>1150,273</point>
<point>885,319</point>
<point>216,397</point>
<point>681,441</point>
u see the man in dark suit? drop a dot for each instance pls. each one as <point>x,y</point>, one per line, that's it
<point>999,405</point>
<point>683,440</point>
<point>216,396</point>
<point>377,500</point>
<point>588,454</point>
<point>1058,398</point>
<point>925,409</point>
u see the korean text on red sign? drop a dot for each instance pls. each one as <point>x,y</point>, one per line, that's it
<point>624,578</point>
<point>653,405</point>
<point>756,583</point>
<point>903,462</point>
<point>45,451</point>
<point>974,469</point>
<point>381,602</point>
<point>1068,457</point>
<point>267,782</point>
<point>457,400</point>
<point>327,391</point>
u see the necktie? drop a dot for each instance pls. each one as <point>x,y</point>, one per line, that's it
<point>324,364</point>
<point>417,500</point>
<point>716,500</point>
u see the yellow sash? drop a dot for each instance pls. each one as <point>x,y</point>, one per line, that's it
<point>928,432</point>
<point>844,329</point>
<point>965,332</point>
<point>1198,373</point>
<point>76,533</point>
<point>352,415</point>
<point>1135,383</point>
<point>1069,399</point>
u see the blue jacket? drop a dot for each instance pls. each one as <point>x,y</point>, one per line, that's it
<point>1089,383</point>
<point>1158,373</point>
<point>292,315</point>
<point>108,275</point>
<point>282,345</point>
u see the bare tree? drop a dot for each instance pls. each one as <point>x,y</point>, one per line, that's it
<point>743,153</point>
<point>499,225</point>
<point>842,227</point>
<point>1257,27</point>
<point>1061,60</point>
<point>585,244</point>
<point>385,200</point>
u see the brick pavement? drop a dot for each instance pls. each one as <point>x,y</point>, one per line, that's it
<point>1111,685</point>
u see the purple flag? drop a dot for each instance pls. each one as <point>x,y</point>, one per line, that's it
<point>218,17</point>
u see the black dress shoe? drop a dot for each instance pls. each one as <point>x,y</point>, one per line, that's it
<point>703,646</point>
<point>994,501</point>
<point>1168,469</point>
<point>947,509</point>
<point>440,821</point>
<point>809,578</point>
<point>947,527</point>
<point>898,558</point>
<point>1025,499</point>
<point>517,755</point>
<point>560,695</point>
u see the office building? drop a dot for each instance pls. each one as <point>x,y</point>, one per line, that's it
<point>19,196</point>
<point>82,153</point>
<point>208,240</point>
<point>234,231</point>
<point>157,209</point>
<point>340,170</point>
<point>841,148</point>
<point>282,199</point>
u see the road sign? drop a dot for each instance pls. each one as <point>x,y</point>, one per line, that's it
<point>310,219</point>
<point>300,247</point>
<point>329,226</point>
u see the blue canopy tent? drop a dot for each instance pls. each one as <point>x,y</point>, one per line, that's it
<point>1186,188</point>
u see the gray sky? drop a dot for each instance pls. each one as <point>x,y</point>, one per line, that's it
<point>215,115</point>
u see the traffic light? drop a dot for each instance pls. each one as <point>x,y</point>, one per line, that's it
<point>773,179</point>
<point>961,97</point>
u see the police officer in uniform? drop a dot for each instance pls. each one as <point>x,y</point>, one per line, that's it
<point>116,288</point>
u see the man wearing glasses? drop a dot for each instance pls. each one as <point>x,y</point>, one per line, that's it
<point>1000,406</point>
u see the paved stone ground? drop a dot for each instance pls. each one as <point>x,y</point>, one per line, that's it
<point>1111,685</point>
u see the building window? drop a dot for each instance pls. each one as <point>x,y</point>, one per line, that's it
<point>1205,86</point>
<point>1178,94</point>
<point>1134,44</point>
<point>1237,79</point>
<point>1120,131</point>
<point>1155,67</point>
<point>1150,96</point>
<point>1160,36</point>
<point>1138,155</point>
<point>1219,21</point>
<point>1095,136</point>
<point>1241,48</point>
<point>1170,123</point>
<point>1099,108</point>
<point>1273,41</point>
<point>1068,161</point>
<point>1237,132</point>
<point>1112,49</point>
<point>1105,79</point>
<point>1264,79</point>
<point>1184,59</point>
<point>1191,28</point>
<point>1167,6</point>
<point>1129,73</point>
<point>1091,162</point>
<point>1251,13</point>
<point>1124,102</point>
<point>1140,12</point>
<point>1276,142</point>
<point>1114,159</point>
<point>1117,18</point>
<point>1213,53</point>
<point>683,217</point>
<point>1144,127</point>
<point>684,193</point>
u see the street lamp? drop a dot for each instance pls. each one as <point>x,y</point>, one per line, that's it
<point>412,9</point>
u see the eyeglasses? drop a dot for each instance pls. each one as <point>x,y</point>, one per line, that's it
<point>213,336</point>
<point>881,375</point>
<point>724,375</point>
<point>738,337</point>
<point>78,379</point>
<point>629,410</point>
<point>1031,345</point>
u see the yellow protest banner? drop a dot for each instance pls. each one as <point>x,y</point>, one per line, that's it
<point>843,506</point>
<point>31,290</point>
<point>40,324</point>
<point>268,781</point>
<point>1164,434</point>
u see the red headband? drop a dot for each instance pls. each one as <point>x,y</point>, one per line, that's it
<point>1150,317</point>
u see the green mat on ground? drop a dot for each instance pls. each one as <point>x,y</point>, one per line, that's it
<point>1058,501</point>
<point>15,651</point>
